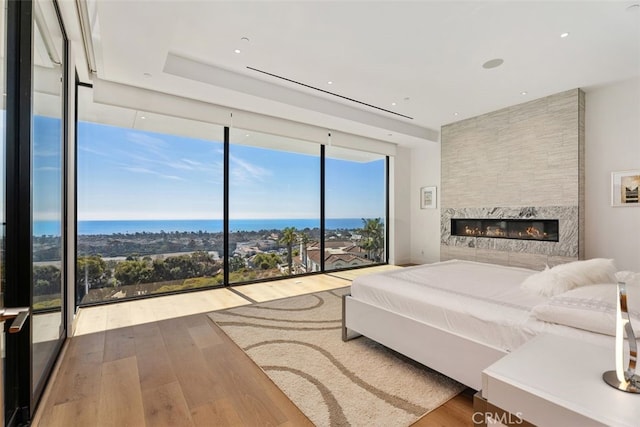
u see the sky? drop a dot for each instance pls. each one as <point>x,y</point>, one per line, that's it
<point>126,174</point>
<point>47,176</point>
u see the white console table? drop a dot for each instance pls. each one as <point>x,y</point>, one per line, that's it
<point>557,381</point>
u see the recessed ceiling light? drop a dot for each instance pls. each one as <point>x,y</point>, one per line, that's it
<point>393,103</point>
<point>329,82</point>
<point>244,39</point>
<point>389,134</point>
<point>237,51</point>
<point>147,74</point>
<point>564,35</point>
<point>455,114</point>
<point>247,135</point>
<point>493,63</point>
<point>633,7</point>
<point>407,98</point>
<point>524,92</point>
<point>142,117</point>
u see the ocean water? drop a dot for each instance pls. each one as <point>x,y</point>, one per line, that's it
<point>52,228</point>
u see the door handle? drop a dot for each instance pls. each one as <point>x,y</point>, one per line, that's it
<point>19,316</point>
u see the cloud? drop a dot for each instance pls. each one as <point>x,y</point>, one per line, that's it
<point>192,162</point>
<point>139,170</point>
<point>151,172</point>
<point>86,149</point>
<point>164,161</point>
<point>177,165</point>
<point>187,164</point>
<point>151,143</point>
<point>177,178</point>
<point>243,171</point>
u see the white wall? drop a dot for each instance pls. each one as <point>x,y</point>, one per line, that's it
<point>425,223</point>
<point>399,211</point>
<point>612,143</point>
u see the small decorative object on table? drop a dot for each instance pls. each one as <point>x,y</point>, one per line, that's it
<point>624,379</point>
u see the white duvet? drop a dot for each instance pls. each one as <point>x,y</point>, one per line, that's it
<point>480,301</point>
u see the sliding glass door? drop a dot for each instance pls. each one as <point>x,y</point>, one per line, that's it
<point>149,203</point>
<point>274,206</point>
<point>32,262</point>
<point>10,407</point>
<point>355,208</point>
<point>47,179</point>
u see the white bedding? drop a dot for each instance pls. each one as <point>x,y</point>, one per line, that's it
<point>483,302</point>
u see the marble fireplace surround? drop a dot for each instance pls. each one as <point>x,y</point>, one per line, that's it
<point>523,161</point>
<point>526,253</point>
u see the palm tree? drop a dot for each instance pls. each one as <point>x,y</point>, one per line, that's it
<point>373,238</point>
<point>289,237</point>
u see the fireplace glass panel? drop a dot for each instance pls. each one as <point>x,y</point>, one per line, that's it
<point>522,229</point>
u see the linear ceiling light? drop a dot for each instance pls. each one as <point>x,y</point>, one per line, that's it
<point>87,41</point>
<point>209,74</point>
<point>329,93</point>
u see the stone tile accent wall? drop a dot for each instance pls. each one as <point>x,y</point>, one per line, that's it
<point>525,161</point>
<point>581,175</point>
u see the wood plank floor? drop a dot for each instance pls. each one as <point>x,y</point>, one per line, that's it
<point>178,372</point>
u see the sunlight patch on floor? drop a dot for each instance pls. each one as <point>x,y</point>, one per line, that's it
<point>352,274</point>
<point>129,313</point>
<point>268,291</point>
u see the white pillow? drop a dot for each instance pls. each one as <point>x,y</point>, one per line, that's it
<point>591,307</point>
<point>546,283</point>
<point>564,277</point>
<point>588,272</point>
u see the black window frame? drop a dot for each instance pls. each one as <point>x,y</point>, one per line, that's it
<point>226,230</point>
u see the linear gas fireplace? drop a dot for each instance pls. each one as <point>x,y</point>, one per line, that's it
<point>521,229</point>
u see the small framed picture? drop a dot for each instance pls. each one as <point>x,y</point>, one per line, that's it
<point>427,197</point>
<point>624,188</point>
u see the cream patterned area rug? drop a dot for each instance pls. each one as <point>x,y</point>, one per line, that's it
<point>297,342</point>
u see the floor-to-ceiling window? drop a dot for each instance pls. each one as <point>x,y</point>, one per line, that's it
<point>274,206</point>
<point>355,208</point>
<point>149,203</point>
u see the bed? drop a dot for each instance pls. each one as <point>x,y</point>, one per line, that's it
<point>456,317</point>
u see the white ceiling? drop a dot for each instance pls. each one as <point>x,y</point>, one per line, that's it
<point>426,56</point>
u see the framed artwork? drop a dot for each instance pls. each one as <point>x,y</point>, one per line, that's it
<point>427,197</point>
<point>624,188</point>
